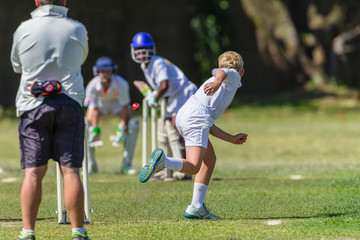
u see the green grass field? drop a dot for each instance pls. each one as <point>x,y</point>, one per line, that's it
<point>297,177</point>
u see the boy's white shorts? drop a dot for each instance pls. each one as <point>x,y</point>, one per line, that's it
<point>193,123</point>
<point>105,108</point>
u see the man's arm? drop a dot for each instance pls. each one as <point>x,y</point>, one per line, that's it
<point>15,60</point>
<point>164,85</point>
<point>239,138</point>
<point>153,98</point>
<point>125,115</point>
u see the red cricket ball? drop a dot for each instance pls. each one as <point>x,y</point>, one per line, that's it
<point>135,106</point>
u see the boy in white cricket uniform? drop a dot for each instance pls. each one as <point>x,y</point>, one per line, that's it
<point>167,81</point>
<point>108,93</point>
<point>195,120</point>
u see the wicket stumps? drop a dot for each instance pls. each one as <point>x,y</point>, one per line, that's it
<point>145,119</point>
<point>62,212</point>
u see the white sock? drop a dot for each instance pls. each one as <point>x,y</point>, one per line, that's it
<point>174,163</point>
<point>24,232</point>
<point>199,194</point>
<point>80,230</point>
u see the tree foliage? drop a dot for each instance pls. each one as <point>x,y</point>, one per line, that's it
<point>211,29</point>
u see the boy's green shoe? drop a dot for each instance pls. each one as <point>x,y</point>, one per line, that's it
<point>199,213</point>
<point>29,236</point>
<point>79,236</point>
<point>156,164</point>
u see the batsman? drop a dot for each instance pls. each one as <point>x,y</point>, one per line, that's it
<point>169,82</point>
<point>107,93</point>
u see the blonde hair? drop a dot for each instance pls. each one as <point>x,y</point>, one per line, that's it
<point>231,59</point>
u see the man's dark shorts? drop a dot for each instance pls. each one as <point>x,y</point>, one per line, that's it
<point>54,130</point>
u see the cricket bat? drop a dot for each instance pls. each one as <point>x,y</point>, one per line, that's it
<point>143,87</point>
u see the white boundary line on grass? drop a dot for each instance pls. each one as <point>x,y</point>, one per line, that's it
<point>274,222</point>
<point>296,177</point>
<point>8,180</point>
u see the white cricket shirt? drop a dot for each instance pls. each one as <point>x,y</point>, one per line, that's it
<point>216,104</point>
<point>49,46</point>
<point>116,94</point>
<point>161,69</point>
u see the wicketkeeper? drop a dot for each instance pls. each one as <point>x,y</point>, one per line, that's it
<point>107,93</point>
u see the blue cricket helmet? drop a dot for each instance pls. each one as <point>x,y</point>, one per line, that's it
<point>104,63</point>
<point>142,47</point>
<point>142,39</point>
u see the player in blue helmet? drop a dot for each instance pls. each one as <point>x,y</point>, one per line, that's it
<point>108,92</point>
<point>167,81</point>
<point>142,47</point>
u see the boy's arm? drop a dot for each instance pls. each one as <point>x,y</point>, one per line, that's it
<point>239,138</point>
<point>212,87</point>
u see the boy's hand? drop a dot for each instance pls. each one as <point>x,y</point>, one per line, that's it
<point>239,138</point>
<point>211,87</point>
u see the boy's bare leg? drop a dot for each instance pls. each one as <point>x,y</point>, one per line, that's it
<point>207,166</point>
<point>197,208</point>
<point>31,193</point>
<point>73,196</point>
<point>193,161</point>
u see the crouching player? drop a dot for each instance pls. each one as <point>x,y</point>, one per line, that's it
<point>108,92</point>
<point>195,120</point>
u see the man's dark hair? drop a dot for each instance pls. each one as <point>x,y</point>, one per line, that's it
<point>52,2</point>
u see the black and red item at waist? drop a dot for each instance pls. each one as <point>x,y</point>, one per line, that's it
<point>45,88</point>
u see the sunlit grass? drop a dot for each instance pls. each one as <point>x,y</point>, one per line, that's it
<point>299,168</point>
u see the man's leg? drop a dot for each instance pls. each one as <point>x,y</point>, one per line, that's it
<point>175,146</point>
<point>129,145</point>
<point>162,139</point>
<point>92,116</point>
<point>92,165</point>
<point>121,129</point>
<point>73,196</point>
<point>31,193</point>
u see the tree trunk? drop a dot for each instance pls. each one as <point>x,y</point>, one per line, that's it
<point>279,43</point>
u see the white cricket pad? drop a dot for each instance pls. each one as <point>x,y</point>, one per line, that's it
<point>174,140</point>
<point>130,141</point>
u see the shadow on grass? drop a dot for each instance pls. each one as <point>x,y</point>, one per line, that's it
<point>322,215</point>
<point>19,219</point>
<point>236,179</point>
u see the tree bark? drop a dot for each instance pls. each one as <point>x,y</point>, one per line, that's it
<point>279,43</point>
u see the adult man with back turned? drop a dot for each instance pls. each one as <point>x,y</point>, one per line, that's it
<point>48,51</point>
